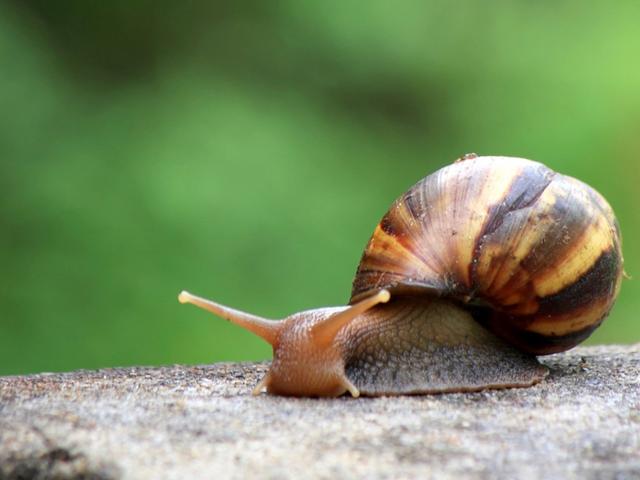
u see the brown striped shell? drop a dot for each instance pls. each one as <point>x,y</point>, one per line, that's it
<point>535,255</point>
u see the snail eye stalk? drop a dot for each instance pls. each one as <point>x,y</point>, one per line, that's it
<point>262,327</point>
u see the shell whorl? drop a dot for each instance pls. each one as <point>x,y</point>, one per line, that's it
<point>535,254</point>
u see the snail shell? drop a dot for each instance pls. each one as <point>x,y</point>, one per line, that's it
<point>533,254</point>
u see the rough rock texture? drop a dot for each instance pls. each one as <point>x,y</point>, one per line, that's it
<point>201,422</point>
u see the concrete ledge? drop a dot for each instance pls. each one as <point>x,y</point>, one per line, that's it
<point>200,422</point>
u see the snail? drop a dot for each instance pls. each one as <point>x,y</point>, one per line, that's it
<point>472,273</point>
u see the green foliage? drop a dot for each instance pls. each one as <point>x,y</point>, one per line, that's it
<point>245,152</point>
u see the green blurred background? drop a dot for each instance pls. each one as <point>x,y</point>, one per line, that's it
<point>246,150</point>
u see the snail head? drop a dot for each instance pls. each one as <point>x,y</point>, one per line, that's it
<point>307,359</point>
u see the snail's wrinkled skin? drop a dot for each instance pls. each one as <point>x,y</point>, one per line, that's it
<point>410,346</point>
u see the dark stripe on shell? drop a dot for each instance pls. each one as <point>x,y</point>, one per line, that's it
<point>388,226</point>
<point>413,201</point>
<point>536,343</point>
<point>525,190</point>
<point>598,282</point>
<point>571,219</point>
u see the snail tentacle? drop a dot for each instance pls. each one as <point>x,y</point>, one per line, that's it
<point>325,331</point>
<point>264,328</point>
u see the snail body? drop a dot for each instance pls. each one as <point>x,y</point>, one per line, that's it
<point>471,273</point>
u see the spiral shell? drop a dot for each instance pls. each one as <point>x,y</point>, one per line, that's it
<point>535,255</point>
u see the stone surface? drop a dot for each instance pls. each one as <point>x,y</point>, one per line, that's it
<point>179,422</point>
